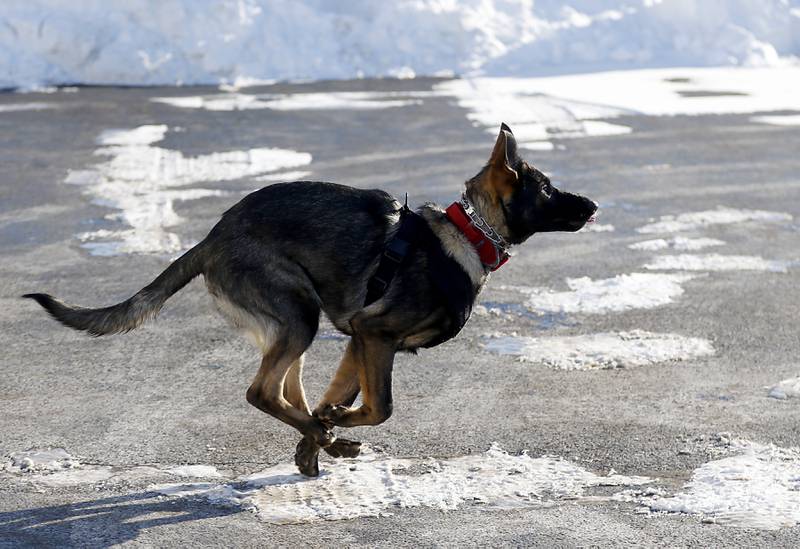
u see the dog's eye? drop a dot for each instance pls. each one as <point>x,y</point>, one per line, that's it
<point>547,190</point>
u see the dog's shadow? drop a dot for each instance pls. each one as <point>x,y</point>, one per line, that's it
<point>100,522</point>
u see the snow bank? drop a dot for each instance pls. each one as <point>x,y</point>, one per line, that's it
<point>45,42</point>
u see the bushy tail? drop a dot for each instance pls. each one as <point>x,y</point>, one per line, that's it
<point>132,312</point>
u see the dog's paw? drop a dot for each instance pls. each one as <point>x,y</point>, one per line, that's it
<point>306,457</point>
<point>330,415</point>
<point>343,448</point>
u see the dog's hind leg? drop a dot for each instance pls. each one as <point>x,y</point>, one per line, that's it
<point>293,390</point>
<point>307,451</point>
<point>267,394</point>
<point>342,391</point>
<point>373,358</point>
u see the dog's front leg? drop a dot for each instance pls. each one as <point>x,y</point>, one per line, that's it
<point>372,357</point>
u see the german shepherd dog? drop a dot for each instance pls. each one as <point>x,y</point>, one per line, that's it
<point>288,251</point>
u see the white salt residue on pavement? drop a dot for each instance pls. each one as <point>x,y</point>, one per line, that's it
<point>372,485</point>
<point>680,243</point>
<point>601,350</point>
<point>619,293</point>
<point>721,216</point>
<point>297,101</point>
<point>143,182</point>
<point>757,488</point>
<point>788,388</point>
<point>778,119</point>
<point>17,107</point>
<point>717,262</point>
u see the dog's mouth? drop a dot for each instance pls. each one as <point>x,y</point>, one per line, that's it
<point>592,218</point>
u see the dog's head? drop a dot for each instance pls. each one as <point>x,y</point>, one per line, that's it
<point>519,200</point>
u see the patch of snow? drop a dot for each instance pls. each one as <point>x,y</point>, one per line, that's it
<point>620,293</point>
<point>54,467</point>
<point>284,176</point>
<point>598,128</point>
<point>717,262</point>
<point>143,182</point>
<point>602,350</point>
<point>372,486</point>
<point>597,228</point>
<point>778,120</point>
<point>297,101</point>
<point>199,471</point>
<point>17,107</point>
<point>537,145</point>
<point>758,488</point>
<point>37,461</point>
<point>691,221</point>
<point>57,468</point>
<point>788,388</point>
<point>680,243</point>
<point>573,106</point>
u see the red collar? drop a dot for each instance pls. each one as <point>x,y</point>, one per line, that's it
<point>492,255</point>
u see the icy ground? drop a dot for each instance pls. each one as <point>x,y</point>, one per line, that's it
<point>145,42</point>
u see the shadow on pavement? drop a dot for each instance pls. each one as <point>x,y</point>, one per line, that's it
<point>99,523</point>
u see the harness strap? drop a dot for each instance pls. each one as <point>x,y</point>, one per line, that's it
<point>393,255</point>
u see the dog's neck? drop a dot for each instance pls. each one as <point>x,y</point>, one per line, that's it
<point>490,245</point>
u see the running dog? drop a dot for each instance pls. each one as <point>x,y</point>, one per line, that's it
<point>390,278</point>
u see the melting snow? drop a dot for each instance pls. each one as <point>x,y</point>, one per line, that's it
<point>717,262</point>
<point>372,485</point>
<point>788,388</point>
<point>620,293</point>
<point>142,181</point>
<point>602,350</point>
<point>680,243</point>
<point>721,216</point>
<point>759,488</point>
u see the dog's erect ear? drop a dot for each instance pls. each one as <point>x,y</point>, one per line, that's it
<point>504,126</point>
<point>502,175</point>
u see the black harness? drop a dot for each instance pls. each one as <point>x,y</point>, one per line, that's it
<point>447,276</point>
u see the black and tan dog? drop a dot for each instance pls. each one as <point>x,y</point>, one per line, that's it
<point>391,279</point>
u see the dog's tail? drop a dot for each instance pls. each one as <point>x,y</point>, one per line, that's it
<point>134,311</point>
